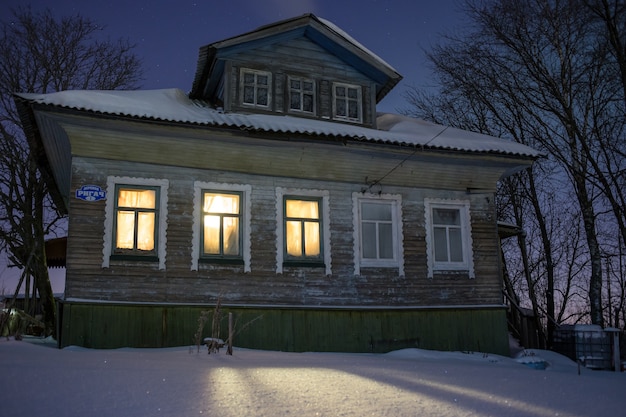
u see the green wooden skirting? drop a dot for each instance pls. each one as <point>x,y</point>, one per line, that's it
<point>296,329</point>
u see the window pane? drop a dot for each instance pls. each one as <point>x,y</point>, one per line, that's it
<point>145,231</point>
<point>262,97</point>
<point>353,110</point>
<point>312,239</point>
<point>125,233</point>
<point>301,95</point>
<point>353,93</point>
<point>231,236</point>
<point>340,91</point>
<point>221,203</point>
<point>368,240</point>
<point>212,234</point>
<point>221,227</point>
<point>294,238</point>
<point>248,94</point>
<point>262,79</point>
<point>441,244</point>
<point>295,101</point>
<point>385,241</point>
<point>446,216</point>
<point>302,209</point>
<point>456,245</point>
<point>341,108</point>
<point>307,104</point>
<point>136,198</point>
<point>374,211</point>
<point>248,78</point>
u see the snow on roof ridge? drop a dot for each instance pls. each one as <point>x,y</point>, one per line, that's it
<point>356,43</point>
<point>175,106</point>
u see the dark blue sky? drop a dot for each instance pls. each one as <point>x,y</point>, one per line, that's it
<point>169,33</point>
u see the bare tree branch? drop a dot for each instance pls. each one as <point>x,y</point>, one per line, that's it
<point>42,54</point>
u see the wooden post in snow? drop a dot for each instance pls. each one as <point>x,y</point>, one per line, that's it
<point>229,350</point>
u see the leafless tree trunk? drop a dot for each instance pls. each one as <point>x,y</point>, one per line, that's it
<point>550,74</point>
<point>42,54</point>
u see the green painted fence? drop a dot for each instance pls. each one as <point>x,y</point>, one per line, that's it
<point>296,329</point>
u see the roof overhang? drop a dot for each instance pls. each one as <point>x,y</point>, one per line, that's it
<point>325,34</point>
<point>507,230</point>
<point>32,130</point>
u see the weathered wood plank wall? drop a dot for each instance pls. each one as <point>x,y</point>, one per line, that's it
<point>306,59</point>
<point>141,281</point>
<point>339,330</point>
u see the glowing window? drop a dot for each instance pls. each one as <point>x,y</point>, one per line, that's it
<point>135,221</point>
<point>221,224</point>
<point>302,229</point>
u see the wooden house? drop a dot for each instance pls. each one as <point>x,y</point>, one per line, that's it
<point>275,187</point>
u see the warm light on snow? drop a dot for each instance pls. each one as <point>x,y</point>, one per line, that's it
<point>45,381</point>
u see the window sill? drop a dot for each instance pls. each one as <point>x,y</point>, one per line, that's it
<point>451,274</point>
<point>222,261</point>
<point>378,264</point>
<point>347,120</point>
<point>299,264</point>
<point>135,258</point>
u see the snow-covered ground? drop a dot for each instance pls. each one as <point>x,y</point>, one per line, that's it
<point>39,380</point>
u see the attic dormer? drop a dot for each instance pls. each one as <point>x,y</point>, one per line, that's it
<point>304,67</point>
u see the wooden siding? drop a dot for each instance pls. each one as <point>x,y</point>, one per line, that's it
<point>288,329</point>
<point>284,156</point>
<point>141,281</point>
<point>301,57</point>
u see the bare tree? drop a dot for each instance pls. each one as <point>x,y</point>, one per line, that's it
<point>550,74</point>
<point>612,18</point>
<point>42,54</point>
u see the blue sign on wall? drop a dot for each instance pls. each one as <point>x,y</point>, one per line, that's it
<point>91,193</point>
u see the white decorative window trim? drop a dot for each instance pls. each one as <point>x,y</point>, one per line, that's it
<point>302,93</point>
<point>359,101</point>
<point>109,215</point>
<point>280,239</point>
<point>246,205</point>
<point>398,235</point>
<point>468,264</point>
<point>242,85</point>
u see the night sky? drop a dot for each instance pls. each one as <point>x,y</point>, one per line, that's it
<point>168,35</point>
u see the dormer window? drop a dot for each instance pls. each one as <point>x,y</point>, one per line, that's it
<point>301,95</point>
<point>347,102</point>
<point>255,88</point>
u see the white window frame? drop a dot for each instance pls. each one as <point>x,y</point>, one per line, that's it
<point>359,101</point>
<point>242,86</point>
<point>280,225</point>
<point>246,210</point>
<point>466,237</point>
<point>395,201</point>
<point>302,93</point>
<point>109,216</point>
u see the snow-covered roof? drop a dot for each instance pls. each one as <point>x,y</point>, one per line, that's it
<point>327,35</point>
<point>173,105</point>
<point>356,43</point>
